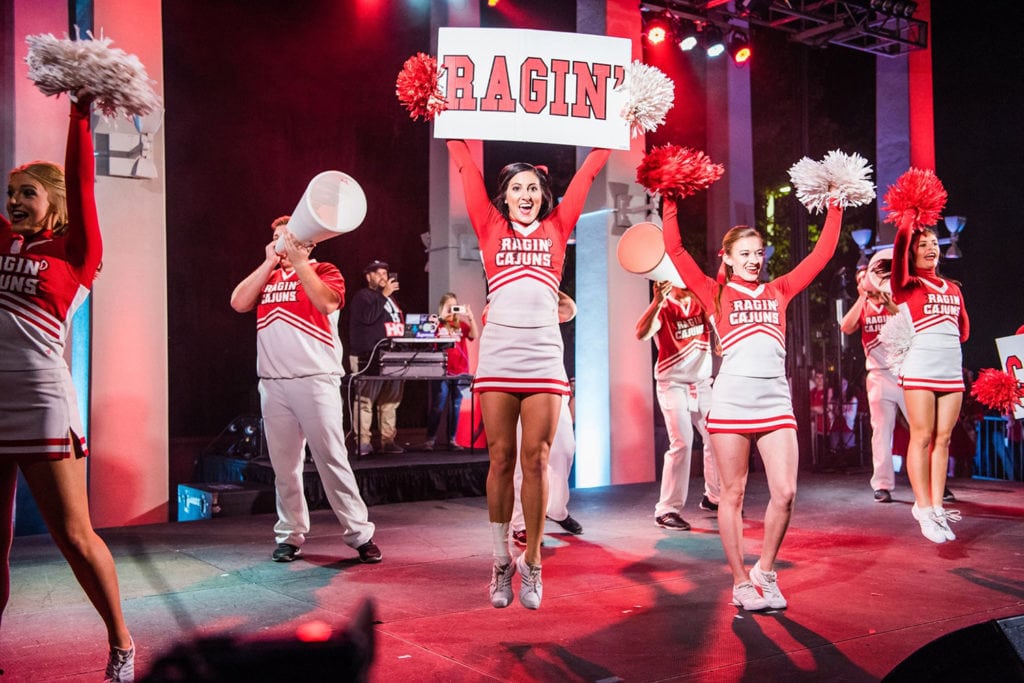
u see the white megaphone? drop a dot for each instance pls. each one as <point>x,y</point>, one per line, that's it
<point>332,204</point>
<point>879,272</point>
<point>641,251</point>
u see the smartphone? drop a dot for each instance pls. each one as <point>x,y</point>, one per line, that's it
<point>393,276</point>
<point>458,309</point>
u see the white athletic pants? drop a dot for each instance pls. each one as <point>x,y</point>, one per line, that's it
<point>563,450</point>
<point>684,406</point>
<point>884,397</point>
<point>294,411</point>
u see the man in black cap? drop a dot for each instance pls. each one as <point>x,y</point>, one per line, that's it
<point>373,316</point>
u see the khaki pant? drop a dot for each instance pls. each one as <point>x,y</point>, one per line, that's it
<point>387,394</point>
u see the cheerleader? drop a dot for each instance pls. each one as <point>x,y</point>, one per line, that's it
<point>750,399</point>
<point>52,251</point>
<point>931,373</point>
<point>520,375</point>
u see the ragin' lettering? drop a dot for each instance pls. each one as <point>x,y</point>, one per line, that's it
<point>542,85</point>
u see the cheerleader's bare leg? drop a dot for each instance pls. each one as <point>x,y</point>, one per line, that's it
<point>540,420</point>
<point>60,491</point>
<point>946,415</point>
<point>921,414</point>
<point>780,454</point>
<point>500,413</point>
<point>8,487</point>
<point>732,455</point>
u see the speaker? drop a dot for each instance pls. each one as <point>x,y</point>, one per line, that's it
<point>991,651</point>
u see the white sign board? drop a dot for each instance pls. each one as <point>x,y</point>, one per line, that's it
<point>1011,355</point>
<point>533,86</point>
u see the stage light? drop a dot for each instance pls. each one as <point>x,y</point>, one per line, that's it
<point>492,3</point>
<point>687,36</point>
<point>658,28</point>
<point>713,41</point>
<point>739,47</point>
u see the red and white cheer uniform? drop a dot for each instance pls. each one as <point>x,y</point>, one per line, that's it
<point>520,346</point>
<point>682,375</point>
<point>299,361</point>
<point>751,392</point>
<point>44,278</point>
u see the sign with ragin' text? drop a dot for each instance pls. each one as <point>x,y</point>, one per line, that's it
<point>1011,355</point>
<point>533,86</point>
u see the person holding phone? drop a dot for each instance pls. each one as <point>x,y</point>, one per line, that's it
<point>456,322</point>
<point>373,316</point>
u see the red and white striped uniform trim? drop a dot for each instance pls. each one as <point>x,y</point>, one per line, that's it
<point>696,348</point>
<point>521,385</point>
<point>739,334</point>
<point>765,424</point>
<point>301,324</point>
<point>34,315</point>
<point>937,385</point>
<point>511,275</point>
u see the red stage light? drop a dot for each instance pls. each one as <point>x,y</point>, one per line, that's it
<point>739,48</point>
<point>656,35</point>
<point>314,632</point>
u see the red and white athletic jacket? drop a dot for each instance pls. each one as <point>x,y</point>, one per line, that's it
<point>750,317</point>
<point>293,338</point>
<point>684,342</point>
<point>45,278</point>
<point>523,263</point>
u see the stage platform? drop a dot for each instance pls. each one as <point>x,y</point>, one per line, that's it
<point>624,601</point>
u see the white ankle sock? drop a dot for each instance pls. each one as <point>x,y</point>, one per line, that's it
<point>499,539</point>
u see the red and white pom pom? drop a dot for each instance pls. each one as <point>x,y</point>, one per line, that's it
<point>841,178</point>
<point>895,337</point>
<point>117,80</point>
<point>998,390</point>
<point>677,172</point>
<point>650,94</point>
<point>418,87</point>
<point>915,200</point>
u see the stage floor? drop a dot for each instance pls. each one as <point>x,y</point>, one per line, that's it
<point>624,601</point>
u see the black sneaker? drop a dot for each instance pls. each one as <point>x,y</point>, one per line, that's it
<point>706,504</point>
<point>569,524</point>
<point>285,552</point>
<point>883,496</point>
<point>947,496</point>
<point>519,537</point>
<point>671,520</point>
<point>369,553</point>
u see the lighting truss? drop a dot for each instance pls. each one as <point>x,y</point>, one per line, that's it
<point>817,23</point>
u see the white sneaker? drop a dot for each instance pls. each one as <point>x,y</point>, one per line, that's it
<point>766,581</point>
<point>531,589</point>
<point>929,527</point>
<point>746,596</point>
<point>120,665</point>
<point>943,517</point>
<point>501,584</point>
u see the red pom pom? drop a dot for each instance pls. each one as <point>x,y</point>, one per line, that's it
<point>915,200</point>
<point>677,172</point>
<point>998,390</point>
<point>418,87</point>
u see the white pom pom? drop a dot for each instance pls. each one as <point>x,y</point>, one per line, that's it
<point>117,80</point>
<point>895,338</point>
<point>844,178</point>
<point>650,94</point>
<point>850,176</point>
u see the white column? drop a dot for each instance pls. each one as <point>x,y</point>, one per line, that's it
<point>129,433</point>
